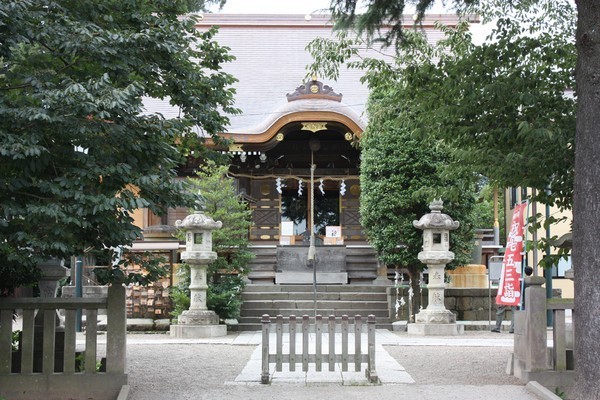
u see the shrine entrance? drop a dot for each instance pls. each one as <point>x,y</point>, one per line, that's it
<point>276,178</point>
<point>295,208</point>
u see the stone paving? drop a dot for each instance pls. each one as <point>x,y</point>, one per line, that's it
<point>163,367</point>
<point>389,370</point>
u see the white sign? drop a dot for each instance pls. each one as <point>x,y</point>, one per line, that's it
<point>287,228</point>
<point>333,231</point>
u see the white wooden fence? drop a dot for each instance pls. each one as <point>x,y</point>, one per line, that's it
<point>306,357</point>
<point>51,381</point>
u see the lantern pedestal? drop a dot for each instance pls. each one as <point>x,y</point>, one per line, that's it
<point>429,329</point>
<point>198,331</point>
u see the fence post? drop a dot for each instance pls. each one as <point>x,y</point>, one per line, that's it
<point>344,343</point>
<point>305,332</point>
<point>116,330</point>
<point>279,343</point>
<point>266,322</point>
<point>331,342</point>
<point>70,341</point>
<point>49,341</point>
<point>91,340</point>
<point>318,342</point>
<point>357,342</point>
<point>292,363</point>
<point>5,341</point>
<point>559,357</point>
<point>371,373</point>
<point>27,342</point>
<point>536,330</point>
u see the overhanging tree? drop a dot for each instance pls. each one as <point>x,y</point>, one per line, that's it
<point>78,150</point>
<point>586,213</point>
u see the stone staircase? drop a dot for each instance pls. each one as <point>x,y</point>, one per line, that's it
<point>263,266</point>
<point>361,263</point>
<point>298,300</point>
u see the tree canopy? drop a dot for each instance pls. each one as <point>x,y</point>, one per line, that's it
<point>580,154</point>
<point>78,149</point>
<point>400,175</point>
<point>503,107</point>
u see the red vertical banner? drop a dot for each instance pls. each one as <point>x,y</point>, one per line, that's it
<point>509,288</point>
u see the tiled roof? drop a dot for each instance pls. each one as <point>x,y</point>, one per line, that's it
<point>271,61</point>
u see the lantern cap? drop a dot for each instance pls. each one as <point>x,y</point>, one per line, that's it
<point>198,220</point>
<point>436,219</point>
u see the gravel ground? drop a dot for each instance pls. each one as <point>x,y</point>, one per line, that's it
<point>455,365</point>
<point>207,371</point>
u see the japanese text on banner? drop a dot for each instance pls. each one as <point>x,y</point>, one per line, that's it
<point>509,289</point>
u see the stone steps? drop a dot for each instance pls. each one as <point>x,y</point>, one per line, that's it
<point>361,264</point>
<point>277,305</point>
<point>297,296</point>
<point>262,267</point>
<point>320,288</point>
<point>297,300</point>
<point>324,311</point>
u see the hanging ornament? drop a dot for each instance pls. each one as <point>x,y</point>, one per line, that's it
<point>279,185</point>
<point>299,187</point>
<point>321,187</point>
<point>342,188</point>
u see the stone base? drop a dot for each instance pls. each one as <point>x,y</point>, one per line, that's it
<point>428,316</point>
<point>198,331</point>
<point>198,317</point>
<point>435,329</point>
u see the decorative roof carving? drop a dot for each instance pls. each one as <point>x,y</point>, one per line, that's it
<point>314,89</point>
<point>436,219</point>
<point>198,220</point>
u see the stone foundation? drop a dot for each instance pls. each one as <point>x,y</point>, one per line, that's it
<point>435,329</point>
<point>466,304</point>
<point>198,331</point>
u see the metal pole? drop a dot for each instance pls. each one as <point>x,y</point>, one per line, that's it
<point>311,248</point>
<point>548,271</point>
<point>496,222</point>
<point>535,236</point>
<point>78,290</point>
<point>489,297</point>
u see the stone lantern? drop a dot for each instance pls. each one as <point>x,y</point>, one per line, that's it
<point>51,272</point>
<point>198,321</point>
<point>436,319</point>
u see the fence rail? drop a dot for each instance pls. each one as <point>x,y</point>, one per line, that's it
<point>46,362</point>
<point>318,358</point>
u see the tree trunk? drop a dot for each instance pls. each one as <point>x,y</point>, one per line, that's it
<point>586,206</point>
